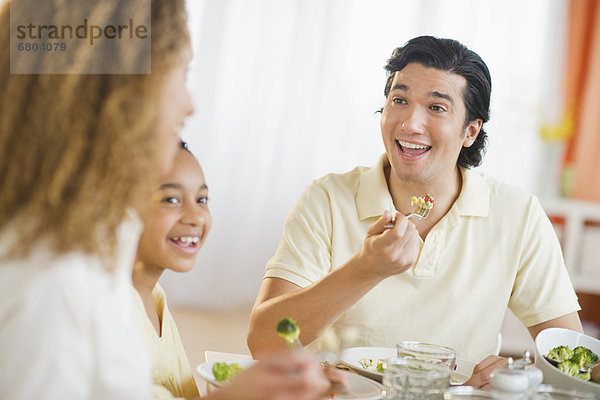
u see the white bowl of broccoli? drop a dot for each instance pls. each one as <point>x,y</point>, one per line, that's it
<point>567,349</point>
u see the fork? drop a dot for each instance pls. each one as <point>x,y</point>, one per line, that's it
<point>329,356</point>
<point>294,346</point>
<point>420,212</point>
<point>336,388</point>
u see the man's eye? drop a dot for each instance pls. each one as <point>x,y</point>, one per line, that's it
<point>398,100</point>
<point>171,200</point>
<point>203,200</point>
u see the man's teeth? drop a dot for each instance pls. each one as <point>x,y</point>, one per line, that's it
<point>187,239</point>
<point>412,145</point>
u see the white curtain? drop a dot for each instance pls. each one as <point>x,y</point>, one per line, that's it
<point>286,91</point>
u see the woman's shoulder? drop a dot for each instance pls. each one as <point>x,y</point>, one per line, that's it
<point>44,277</point>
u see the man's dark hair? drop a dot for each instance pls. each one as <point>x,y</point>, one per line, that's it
<point>451,56</point>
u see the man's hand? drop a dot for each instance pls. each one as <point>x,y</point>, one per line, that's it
<point>385,252</point>
<point>482,371</point>
<point>390,251</point>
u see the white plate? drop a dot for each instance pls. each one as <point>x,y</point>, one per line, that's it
<point>359,387</point>
<point>351,358</point>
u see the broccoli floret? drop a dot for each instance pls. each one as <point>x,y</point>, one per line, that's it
<point>288,329</point>
<point>223,371</point>
<point>578,364</point>
<point>584,376</point>
<point>569,367</point>
<point>589,357</point>
<point>560,353</point>
<point>579,359</point>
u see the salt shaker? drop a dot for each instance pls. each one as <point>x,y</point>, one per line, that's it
<point>519,377</point>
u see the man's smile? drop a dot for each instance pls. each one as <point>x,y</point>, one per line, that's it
<point>412,150</point>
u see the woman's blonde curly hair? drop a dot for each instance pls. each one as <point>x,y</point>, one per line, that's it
<point>77,150</point>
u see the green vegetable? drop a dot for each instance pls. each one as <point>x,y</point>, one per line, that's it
<point>589,357</point>
<point>224,372</point>
<point>584,376</point>
<point>574,362</point>
<point>373,364</point>
<point>288,329</point>
<point>560,353</point>
<point>579,359</point>
<point>569,367</point>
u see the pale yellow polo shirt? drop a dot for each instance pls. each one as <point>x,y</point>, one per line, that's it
<point>495,248</point>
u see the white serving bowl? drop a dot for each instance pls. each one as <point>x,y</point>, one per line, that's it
<point>550,338</point>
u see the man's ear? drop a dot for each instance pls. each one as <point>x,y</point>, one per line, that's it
<point>471,132</point>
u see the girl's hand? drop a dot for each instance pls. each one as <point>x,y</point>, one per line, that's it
<point>282,376</point>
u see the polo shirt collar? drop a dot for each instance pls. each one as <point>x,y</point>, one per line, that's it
<point>373,195</point>
<point>474,197</point>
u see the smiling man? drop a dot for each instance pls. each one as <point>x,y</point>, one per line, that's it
<point>446,279</point>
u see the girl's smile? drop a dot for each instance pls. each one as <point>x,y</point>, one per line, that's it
<point>177,219</point>
<point>189,244</point>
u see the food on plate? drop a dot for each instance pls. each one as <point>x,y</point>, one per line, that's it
<point>373,364</point>
<point>288,329</point>
<point>576,363</point>
<point>425,202</point>
<point>225,372</point>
